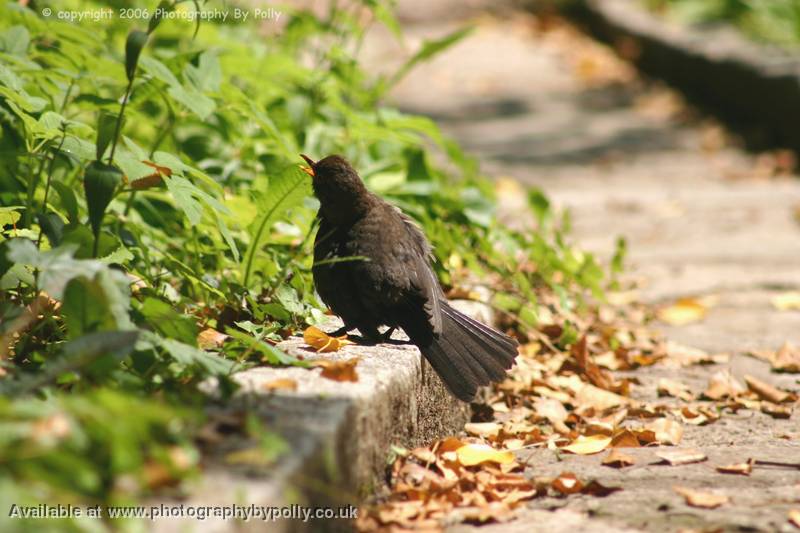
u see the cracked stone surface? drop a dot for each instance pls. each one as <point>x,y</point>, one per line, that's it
<point>701,217</point>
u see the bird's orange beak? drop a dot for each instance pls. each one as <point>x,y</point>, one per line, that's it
<point>310,168</point>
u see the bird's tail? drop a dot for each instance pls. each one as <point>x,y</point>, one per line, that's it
<point>468,354</point>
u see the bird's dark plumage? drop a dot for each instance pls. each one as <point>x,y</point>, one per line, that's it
<point>372,267</point>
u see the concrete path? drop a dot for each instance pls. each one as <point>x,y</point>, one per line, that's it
<point>546,105</point>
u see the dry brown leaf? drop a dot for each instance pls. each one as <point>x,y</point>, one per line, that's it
<point>475,454</point>
<point>786,301</point>
<point>765,391</point>
<point>700,498</point>
<point>680,356</point>
<point>588,445</point>
<point>776,411</point>
<point>666,431</point>
<point>723,385</point>
<point>683,311</point>
<point>338,370</point>
<point>595,488</point>
<point>322,342</point>
<point>567,483</point>
<point>210,338</point>
<point>787,358</point>
<point>589,396</point>
<point>682,457</point>
<point>626,438</point>
<point>618,459</point>
<point>280,384</point>
<point>670,387</point>
<point>743,469</point>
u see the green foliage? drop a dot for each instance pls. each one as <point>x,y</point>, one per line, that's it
<point>773,21</point>
<point>150,190</point>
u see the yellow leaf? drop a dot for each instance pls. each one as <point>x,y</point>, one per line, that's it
<point>280,384</point>
<point>787,301</point>
<point>794,517</point>
<point>338,370</point>
<point>743,469</point>
<point>474,454</point>
<point>588,445</point>
<point>699,498</point>
<point>683,311</point>
<point>322,342</point>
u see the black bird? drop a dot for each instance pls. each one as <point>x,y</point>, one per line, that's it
<point>372,267</point>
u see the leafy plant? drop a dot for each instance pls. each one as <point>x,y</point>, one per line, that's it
<point>150,191</point>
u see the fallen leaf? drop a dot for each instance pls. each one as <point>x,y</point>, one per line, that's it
<point>722,385</point>
<point>669,387</point>
<point>794,517</point>
<point>743,469</point>
<point>703,499</point>
<point>683,311</point>
<point>776,411</point>
<point>322,342</point>
<point>680,356</point>
<point>474,454</point>
<point>786,301</point>
<point>765,391</point>
<point>338,370</point>
<point>487,430</point>
<point>666,431</point>
<point>618,459</point>
<point>588,445</point>
<point>567,483</point>
<point>626,439</point>
<point>280,384</point>
<point>786,359</point>
<point>210,338</point>
<point>682,457</point>
<point>595,488</point>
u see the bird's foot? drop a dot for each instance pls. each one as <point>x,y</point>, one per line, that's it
<point>339,332</point>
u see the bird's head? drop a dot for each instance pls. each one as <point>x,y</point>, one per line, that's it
<point>341,193</point>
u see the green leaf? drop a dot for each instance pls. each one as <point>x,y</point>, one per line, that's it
<point>56,267</point>
<point>9,215</point>
<point>285,191</point>
<point>207,75</point>
<point>190,355</point>
<point>52,226</point>
<point>68,200</point>
<point>195,101</point>
<point>15,41</point>
<point>85,308</point>
<point>429,49</point>
<point>158,70</point>
<point>106,126</point>
<point>164,7</point>
<point>100,181</point>
<point>133,48</point>
<point>169,322</point>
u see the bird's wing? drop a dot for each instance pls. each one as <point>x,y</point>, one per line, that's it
<point>425,279</point>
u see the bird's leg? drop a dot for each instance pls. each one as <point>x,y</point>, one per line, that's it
<point>387,335</point>
<point>370,335</point>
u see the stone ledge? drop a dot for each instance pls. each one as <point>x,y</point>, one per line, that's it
<point>339,433</point>
<point>755,88</point>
